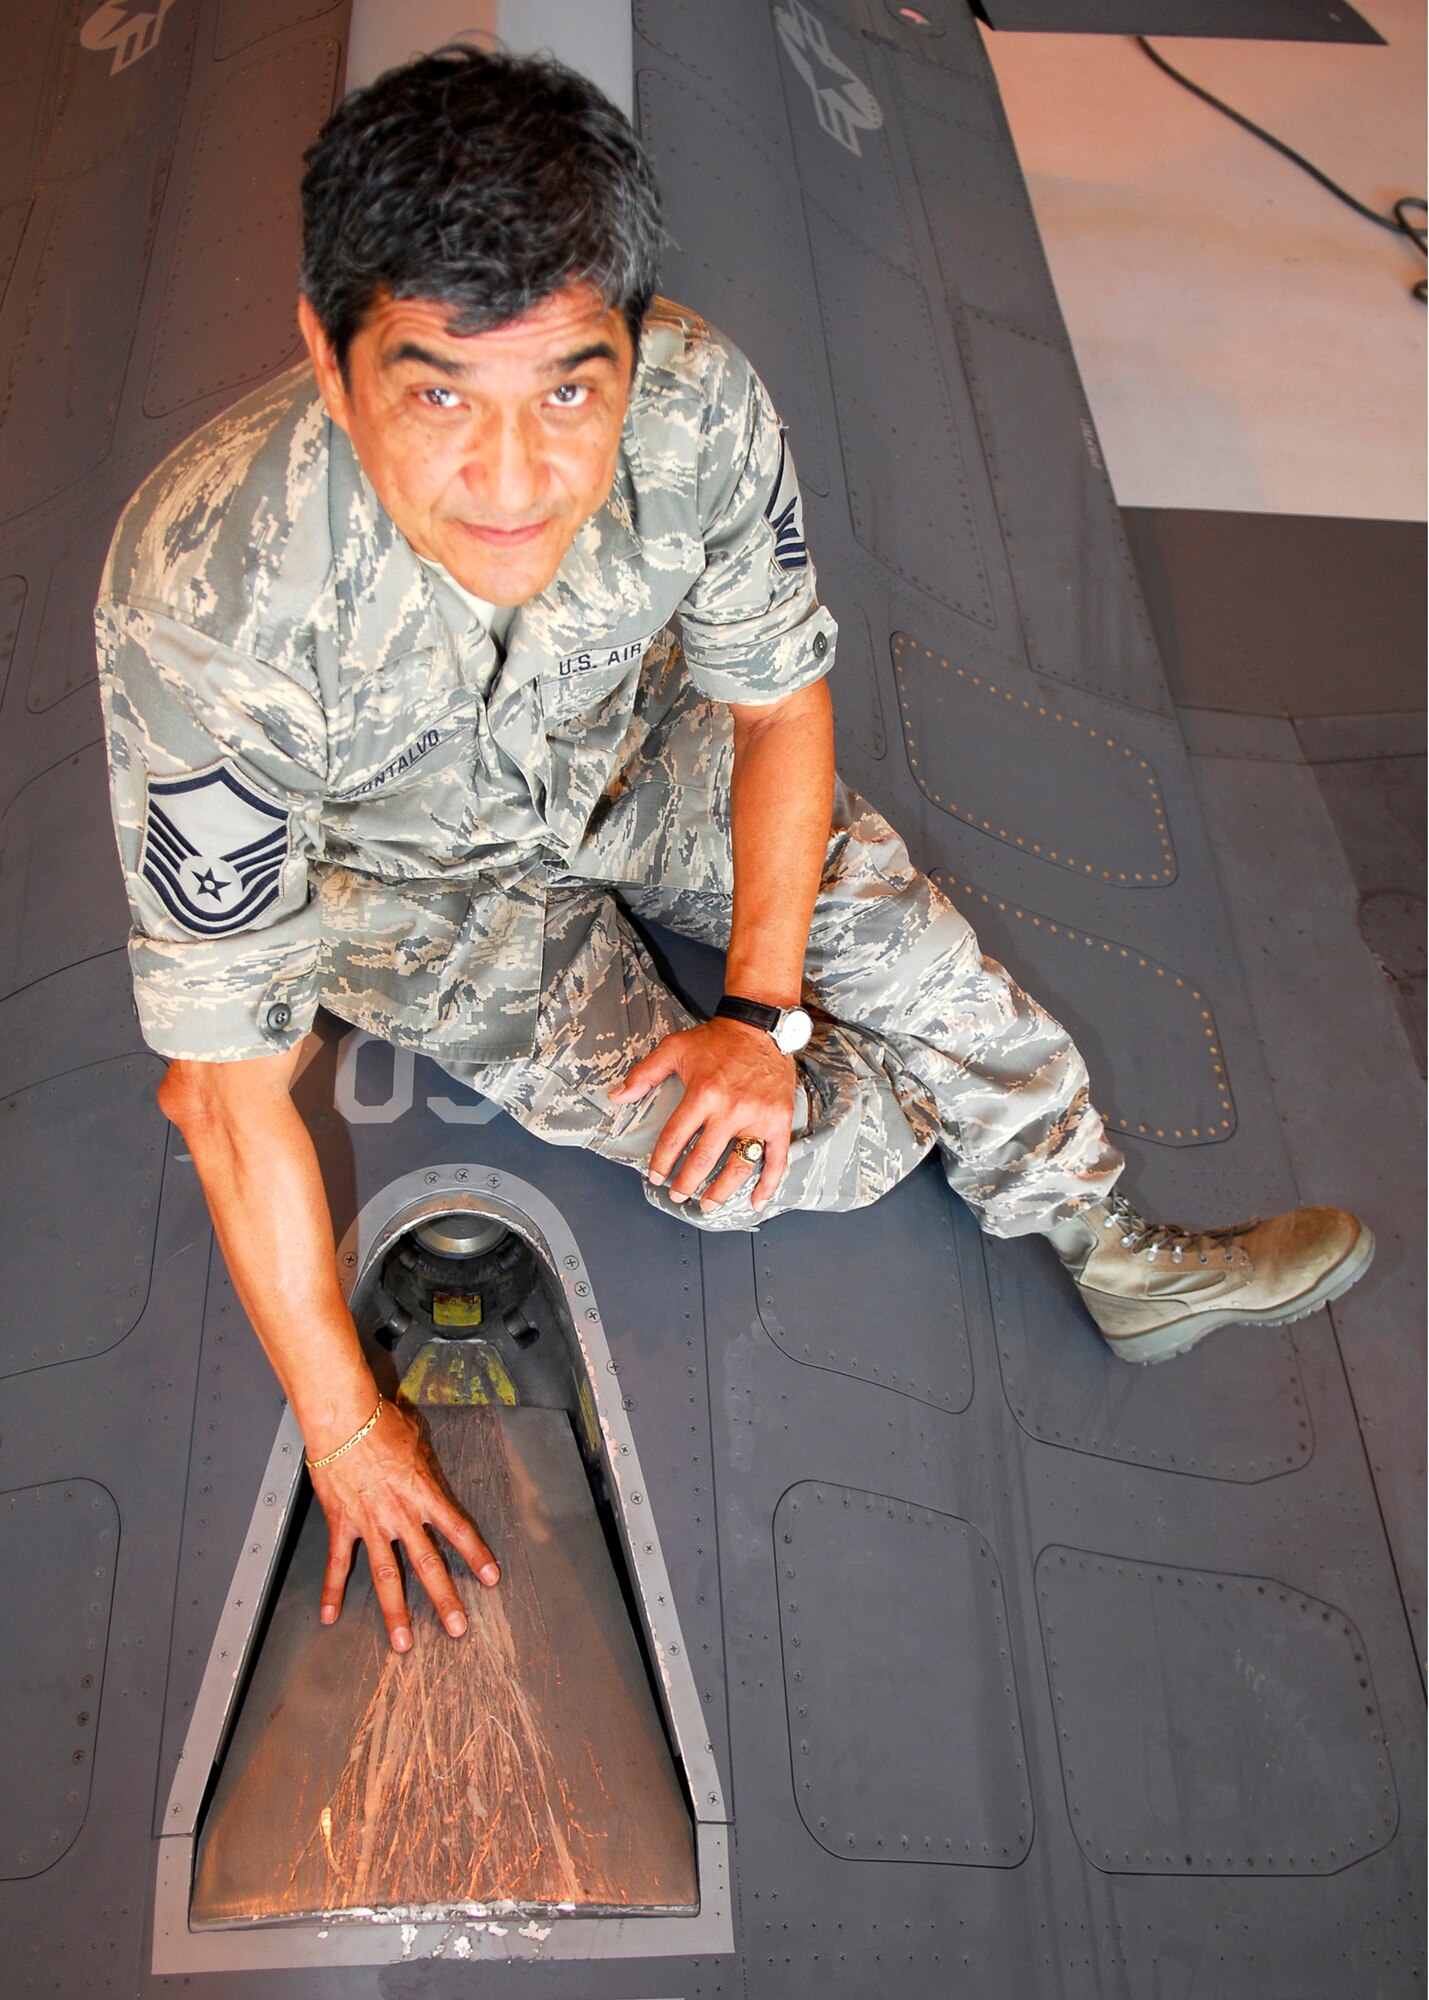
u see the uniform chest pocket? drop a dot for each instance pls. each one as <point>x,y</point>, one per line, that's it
<point>592,695</point>
<point>585,685</point>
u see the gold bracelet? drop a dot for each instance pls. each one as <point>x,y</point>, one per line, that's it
<point>357,1436</point>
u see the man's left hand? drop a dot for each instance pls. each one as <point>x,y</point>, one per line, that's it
<point>737,1086</point>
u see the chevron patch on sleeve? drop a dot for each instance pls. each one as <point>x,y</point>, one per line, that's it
<point>785,514</point>
<point>214,848</point>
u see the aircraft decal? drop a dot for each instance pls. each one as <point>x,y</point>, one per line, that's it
<point>130,28</point>
<point>844,103</point>
<point>785,515</point>
<point>213,849</point>
<point>1094,450</point>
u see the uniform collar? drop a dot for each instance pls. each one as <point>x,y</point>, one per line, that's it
<point>386,599</point>
<point>591,595</point>
<point>465,614</point>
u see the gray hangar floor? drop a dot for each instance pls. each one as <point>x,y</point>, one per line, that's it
<point>985,1666</point>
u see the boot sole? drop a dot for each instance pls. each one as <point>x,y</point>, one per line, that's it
<point>1164,1343</point>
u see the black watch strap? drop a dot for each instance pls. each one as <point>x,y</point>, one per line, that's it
<point>752,1012</point>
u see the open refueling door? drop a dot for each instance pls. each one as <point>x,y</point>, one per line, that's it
<point>527,1767</point>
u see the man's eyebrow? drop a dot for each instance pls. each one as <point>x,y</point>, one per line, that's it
<point>409,350</point>
<point>599,350</point>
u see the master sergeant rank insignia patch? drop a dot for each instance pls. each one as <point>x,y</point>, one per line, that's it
<point>213,850</point>
<point>785,514</point>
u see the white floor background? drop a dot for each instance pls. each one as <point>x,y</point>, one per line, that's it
<point>1246,341</point>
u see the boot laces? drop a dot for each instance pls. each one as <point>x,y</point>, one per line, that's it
<point>1139,1235</point>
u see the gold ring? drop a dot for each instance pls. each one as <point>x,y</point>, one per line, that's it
<point>751,1151</point>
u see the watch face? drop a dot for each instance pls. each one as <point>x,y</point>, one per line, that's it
<point>793,1031</point>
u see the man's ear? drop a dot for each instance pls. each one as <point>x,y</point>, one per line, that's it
<point>325,363</point>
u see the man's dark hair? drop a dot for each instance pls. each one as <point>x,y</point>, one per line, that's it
<point>483,182</point>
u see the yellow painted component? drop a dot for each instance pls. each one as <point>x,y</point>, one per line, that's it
<point>469,1375</point>
<point>588,1417</point>
<point>500,1381</point>
<point>456,1308</point>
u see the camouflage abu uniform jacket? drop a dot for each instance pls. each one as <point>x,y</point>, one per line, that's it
<point>328,787</point>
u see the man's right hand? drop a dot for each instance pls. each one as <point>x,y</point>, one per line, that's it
<point>265,1193</point>
<point>387,1492</point>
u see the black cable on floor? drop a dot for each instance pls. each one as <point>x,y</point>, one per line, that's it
<point>1397,221</point>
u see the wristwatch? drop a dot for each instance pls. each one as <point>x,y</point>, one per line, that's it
<point>790,1027</point>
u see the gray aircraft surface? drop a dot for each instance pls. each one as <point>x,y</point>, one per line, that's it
<point>865,1630</point>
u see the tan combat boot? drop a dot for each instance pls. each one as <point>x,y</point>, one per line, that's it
<point>1155,1290</point>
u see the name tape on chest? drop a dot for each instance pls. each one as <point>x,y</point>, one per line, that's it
<point>599,657</point>
<point>213,849</point>
<point>420,747</point>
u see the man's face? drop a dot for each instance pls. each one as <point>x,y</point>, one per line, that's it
<point>487,449</point>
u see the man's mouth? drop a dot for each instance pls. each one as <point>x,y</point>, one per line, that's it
<point>502,538</point>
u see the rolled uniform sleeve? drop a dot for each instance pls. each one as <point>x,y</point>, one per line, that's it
<point>751,626</point>
<point>217,767</point>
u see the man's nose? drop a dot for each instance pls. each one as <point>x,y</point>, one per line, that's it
<point>506,471</point>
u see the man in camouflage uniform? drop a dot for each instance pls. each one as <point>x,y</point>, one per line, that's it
<point>427,671</point>
<point>412,884</point>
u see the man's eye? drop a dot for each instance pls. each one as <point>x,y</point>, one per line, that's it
<point>440,398</point>
<point>569,395</point>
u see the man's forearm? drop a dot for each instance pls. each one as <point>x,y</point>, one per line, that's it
<point>781,802</point>
<point>265,1194</point>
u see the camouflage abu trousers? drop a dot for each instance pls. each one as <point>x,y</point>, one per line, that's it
<point>927,1043</point>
